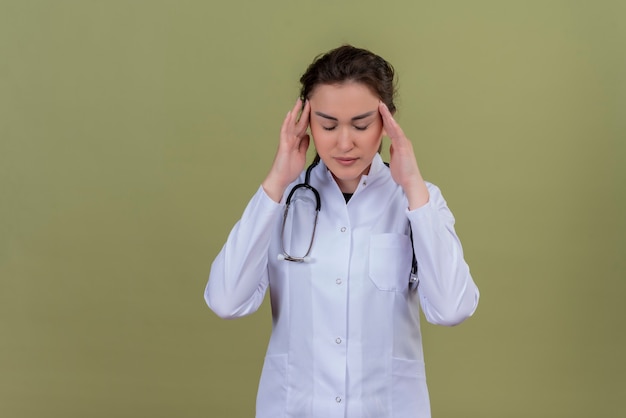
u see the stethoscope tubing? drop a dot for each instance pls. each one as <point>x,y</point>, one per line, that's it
<point>318,205</point>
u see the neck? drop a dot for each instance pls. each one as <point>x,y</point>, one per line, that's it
<point>347,186</point>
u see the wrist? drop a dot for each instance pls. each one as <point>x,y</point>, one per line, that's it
<point>274,188</point>
<point>417,193</point>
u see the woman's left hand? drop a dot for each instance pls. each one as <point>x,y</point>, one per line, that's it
<point>403,165</point>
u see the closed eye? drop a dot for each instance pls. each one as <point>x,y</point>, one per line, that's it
<point>332,128</point>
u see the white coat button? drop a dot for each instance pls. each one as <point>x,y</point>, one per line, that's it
<point>338,281</point>
<point>338,340</point>
<point>343,229</point>
<point>338,399</point>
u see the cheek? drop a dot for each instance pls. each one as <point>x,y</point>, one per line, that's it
<point>320,136</point>
<point>374,139</point>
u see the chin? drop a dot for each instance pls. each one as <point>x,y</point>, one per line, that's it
<point>347,175</point>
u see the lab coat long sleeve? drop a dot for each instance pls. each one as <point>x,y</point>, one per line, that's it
<point>239,277</point>
<point>448,294</point>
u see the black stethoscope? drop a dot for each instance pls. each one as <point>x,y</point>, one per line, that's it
<point>413,281</point>
<point>318,204</point>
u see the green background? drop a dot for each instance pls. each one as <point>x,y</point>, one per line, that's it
<point>132,134</point>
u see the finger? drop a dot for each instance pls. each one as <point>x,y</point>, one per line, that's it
<point>285,128</point>
<point>383,109</point>
<point>291,117</point>
<point>389,122</point>
<point>393,129</point>
<point>306,111</point>
<point>297,107</point>
<point>303,122</point>
<point>387,118</point>
<point>297,104</point>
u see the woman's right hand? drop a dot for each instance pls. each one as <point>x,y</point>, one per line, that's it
<point>290,157</point>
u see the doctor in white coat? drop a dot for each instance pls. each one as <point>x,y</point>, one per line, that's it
<point>345,296</point>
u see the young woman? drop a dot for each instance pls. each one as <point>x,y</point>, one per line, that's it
<point>346,283</point>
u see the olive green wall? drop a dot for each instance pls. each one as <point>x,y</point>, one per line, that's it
<point>132,133</point>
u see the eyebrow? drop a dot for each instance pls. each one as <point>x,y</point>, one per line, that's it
<point>358,117</point>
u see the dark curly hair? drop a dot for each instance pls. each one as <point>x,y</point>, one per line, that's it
<point>348,63</point>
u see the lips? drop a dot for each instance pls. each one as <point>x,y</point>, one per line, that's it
<point>345,160</point>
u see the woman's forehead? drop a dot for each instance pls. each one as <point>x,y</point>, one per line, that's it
<point>346,99</point>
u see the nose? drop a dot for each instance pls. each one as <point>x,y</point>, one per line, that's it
<point>344,139</point>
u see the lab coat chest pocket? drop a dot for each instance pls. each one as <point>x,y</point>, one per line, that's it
<point>390,256</point>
